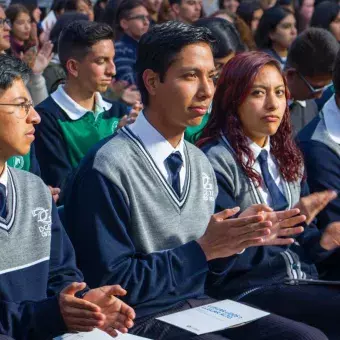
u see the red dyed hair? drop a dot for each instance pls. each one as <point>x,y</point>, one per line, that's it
<point>234,85</point>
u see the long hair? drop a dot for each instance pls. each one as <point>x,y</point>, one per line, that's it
<point>233,86</point>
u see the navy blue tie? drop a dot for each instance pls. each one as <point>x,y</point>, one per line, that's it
<point>279,201</point>
<point>3,211</point>
<point>175,163</point>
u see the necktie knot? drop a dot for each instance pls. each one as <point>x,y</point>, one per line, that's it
<point>263,156</point>
<point>175,163</point>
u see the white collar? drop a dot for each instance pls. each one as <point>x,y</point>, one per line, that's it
<point>300,102</point>
<point>4,177</point>
<point>157,146</point>
<point>331,114</point>
<point>72,108</point>
<point>257,149</point>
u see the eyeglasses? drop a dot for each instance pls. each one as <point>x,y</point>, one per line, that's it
<point>4,22</point>
<point>312,88</point>
<point>21,110</point>
<point>143,18</point>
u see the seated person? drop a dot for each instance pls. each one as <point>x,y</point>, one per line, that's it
<point>249,144</point>
<point>41,289</point>
<point>75,116</point>
<point>145,212</point>
<point>133,22</point>
<point>319,142</point>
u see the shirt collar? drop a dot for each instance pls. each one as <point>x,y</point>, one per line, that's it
<point>257,149</point>
<point>157,146</point>
<point>300,102</point>
<point>73,109</point>
<point>331,114</point>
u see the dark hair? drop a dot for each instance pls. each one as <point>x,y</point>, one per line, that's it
<point>71,5</point>
<point>123,11</point>
<point>246,11</point>
<point>226,36</point>
<point>336,74</point>
<point>78,37</point>
<point>31,5</point>
<point>63,21</point>
<point>270,19</point>
<point>158,48</point>
<point>172,2</point>
<point>98,10</point>
<point>13,11</point>
<point>313,52</point>
<point>233,87</point>
<point>221,4</point>
<point>12,69</point>
<point>58,6</point>
<point>324,14</point>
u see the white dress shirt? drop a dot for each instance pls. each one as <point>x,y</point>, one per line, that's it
<point>273,170</point>
<point>331,114</point>
<point>4,177</point>
<point>158,147</point>
<point>73,109</point>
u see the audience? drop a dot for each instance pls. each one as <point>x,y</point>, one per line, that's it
<point>141,210</point>
<point>276,32</point>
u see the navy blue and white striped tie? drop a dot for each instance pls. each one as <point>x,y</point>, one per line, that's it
<point>175,163</point>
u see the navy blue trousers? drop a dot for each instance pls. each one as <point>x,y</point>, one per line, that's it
<point>318,306</point>
<point>271,327</point>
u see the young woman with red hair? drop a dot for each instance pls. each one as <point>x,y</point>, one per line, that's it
<point>257,164</point>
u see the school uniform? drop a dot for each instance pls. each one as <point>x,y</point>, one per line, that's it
<point>270,277</point>
<point>67,131</point>
<point>320,143</point>
<point>139,219</point>
<point>37,258</point>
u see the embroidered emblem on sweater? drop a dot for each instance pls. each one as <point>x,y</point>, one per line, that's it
<point>208,192</point>
<point>44,220</point>
<point>18,162</point>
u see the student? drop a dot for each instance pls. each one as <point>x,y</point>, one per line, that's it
<point>75,116</point>
<point>304,12</point>
<point>251,13</point>
<point>319,141</point>
<point>248,142</point>
<point>186,11</point>
<point>144,211</point>
<point>309,74</point>
<point>5,32</point>
<point>327,16</point>
<point>39,278</point>
<point>133,21</point>
<point>227,43</point>
<point>276,32</point>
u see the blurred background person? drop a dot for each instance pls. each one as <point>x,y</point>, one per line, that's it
<point>327,15</point>
<point>80,6</point>
<point>251,13</point>
<point>187,11</point>
<point>229,5</point>
<point>276,32</point>
<point>304,12</point>
<point>153,7</point>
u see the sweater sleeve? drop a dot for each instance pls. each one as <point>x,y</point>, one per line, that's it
<point>51,151</point>
<point>322,165</point>
<point>37,88</point>
<point>63,270</point>
<point>99,224</point>
<point>31,320</point>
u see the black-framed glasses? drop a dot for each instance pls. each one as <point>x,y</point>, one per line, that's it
<point>3,22</point>
<point>22,109</point>
<point>313,89</point>
<point>141,17</point>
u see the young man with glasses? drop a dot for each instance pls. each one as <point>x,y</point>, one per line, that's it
<point>41,289</point>
<point>133,20</point>
<point>309,72</point>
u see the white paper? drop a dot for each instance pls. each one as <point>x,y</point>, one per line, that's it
<point>97,334</point>
<point>213,317</point>
<point>49,21</point>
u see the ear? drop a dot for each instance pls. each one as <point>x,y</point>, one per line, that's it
<point>124,24</point>
<point>151,81</point>
<point>175,8</point>
<point>72,67</point>
<point>271,35</point>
